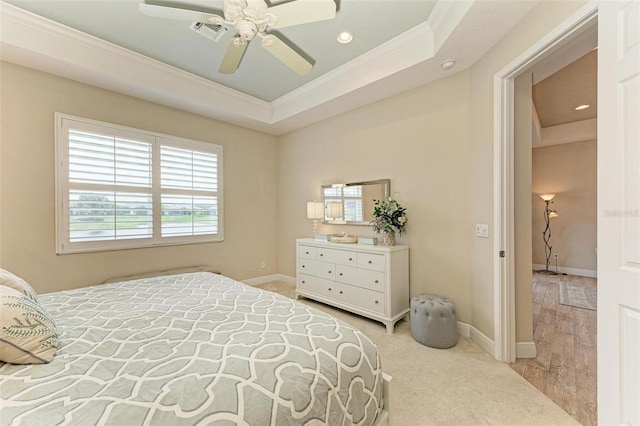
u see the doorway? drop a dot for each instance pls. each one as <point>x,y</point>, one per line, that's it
<point>504,259</point>
<point>555,155</point>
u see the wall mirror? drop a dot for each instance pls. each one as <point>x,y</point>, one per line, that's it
<point>352,203</point>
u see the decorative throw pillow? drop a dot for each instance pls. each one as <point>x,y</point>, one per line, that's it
<point>27,331</point>
<point>15,282</point>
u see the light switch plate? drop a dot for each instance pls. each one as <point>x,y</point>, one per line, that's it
<point>482,230</point>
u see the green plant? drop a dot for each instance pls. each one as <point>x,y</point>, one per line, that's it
<point>388,216</point>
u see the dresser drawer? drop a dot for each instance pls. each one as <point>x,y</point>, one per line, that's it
<point>343,293</point>
<point>340,257</point>
<point>316,268</point>
<point>362,298</point>
<point>307,252</point>
<point>319,286</point>
<point>365,278</point>
<point>375,262</point>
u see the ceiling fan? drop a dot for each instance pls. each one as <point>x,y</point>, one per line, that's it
<point>253,18</point>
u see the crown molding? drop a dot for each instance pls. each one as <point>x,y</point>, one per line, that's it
<point>30,40</point>
<point>445,17</point>
<point>33,41</point>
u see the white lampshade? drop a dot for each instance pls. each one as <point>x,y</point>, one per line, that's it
<point>547,197</point>
<point>315,210</point>
<point>334,210</point>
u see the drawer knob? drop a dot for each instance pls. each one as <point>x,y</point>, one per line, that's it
<point>303,281</point>
<point>340,274</point>
<point>306,252</point>
<point>321,254</point>
<point>329,288</point>
<point>376,302</point>
<point>376,281</point>
<point>303,266</point>
<point>329,271</point>
<point>369,262</point>
<point>350,258</point>
<point>340,291</point>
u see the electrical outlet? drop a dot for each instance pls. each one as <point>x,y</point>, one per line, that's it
<point>263,264</point>
<point>482,230</point>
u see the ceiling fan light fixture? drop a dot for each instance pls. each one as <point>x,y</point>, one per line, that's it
<point>251,18</point>
<point>247,29</point>
<point>344,37</point>
<point>581,107</point>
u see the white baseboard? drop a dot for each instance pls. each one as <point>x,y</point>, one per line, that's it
<point>464,329</point>
<point>525,350</point>
<point>268,278</point>
<point>483,341</point>
<point>477,336</point>
<point>568,271</point>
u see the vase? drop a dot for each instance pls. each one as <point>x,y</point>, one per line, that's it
<point>389,238</point>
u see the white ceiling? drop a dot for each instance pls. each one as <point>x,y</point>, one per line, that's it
<point>398,45</point>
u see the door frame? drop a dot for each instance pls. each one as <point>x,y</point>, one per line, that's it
<point>503,175</point>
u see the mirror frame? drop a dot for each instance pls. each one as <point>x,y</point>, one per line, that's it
<point>386,185</point>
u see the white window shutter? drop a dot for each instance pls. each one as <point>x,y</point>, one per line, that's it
<point>109,191</point>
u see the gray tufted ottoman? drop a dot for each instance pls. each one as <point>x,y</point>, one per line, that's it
<point>433,321</point>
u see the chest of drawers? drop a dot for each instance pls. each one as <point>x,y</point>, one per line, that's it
<point>372,281</point>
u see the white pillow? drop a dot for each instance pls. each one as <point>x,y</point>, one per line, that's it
<point>15,282</point>
<point>27,332</point>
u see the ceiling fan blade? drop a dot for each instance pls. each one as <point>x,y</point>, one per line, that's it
<point>302,12</point>
<point>233,55</point>
<point>286,54</point>
<point>165,12</point>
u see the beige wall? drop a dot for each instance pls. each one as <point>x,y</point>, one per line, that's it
<point>539,22</point>
<point>1,144</point>
<point>29,100</point>
<point>523,111</point>
<point>420,140</point>
<point>569,171</point>
<point>435,143</point>
<point>426,147</point>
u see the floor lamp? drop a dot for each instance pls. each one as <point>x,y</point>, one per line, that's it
<point>546,234</point>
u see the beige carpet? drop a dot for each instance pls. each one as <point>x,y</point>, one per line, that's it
<point>459,386</point>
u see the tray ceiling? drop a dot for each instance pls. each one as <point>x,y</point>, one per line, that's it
<point>397,45</point>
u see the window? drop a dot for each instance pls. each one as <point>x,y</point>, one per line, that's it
<point>120,188</point>
<point>350,198</point>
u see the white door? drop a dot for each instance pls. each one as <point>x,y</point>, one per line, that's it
<point>619,212</point>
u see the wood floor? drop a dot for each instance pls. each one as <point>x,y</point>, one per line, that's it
<point>565,337</point>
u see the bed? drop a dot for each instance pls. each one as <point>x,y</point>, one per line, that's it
<point>195,348</point>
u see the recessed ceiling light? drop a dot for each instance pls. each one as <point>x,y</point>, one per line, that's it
<point>344,37</point>
<point>581,107</point>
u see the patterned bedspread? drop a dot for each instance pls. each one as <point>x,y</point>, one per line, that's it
<point>194,349</point>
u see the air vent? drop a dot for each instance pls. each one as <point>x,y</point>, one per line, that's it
<point>210,31</point>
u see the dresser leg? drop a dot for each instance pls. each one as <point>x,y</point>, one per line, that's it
<point>389,327</point>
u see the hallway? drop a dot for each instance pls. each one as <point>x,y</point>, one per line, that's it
<point>565,365</point>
